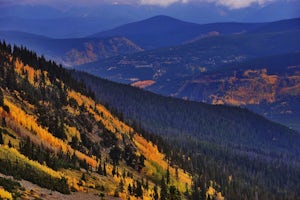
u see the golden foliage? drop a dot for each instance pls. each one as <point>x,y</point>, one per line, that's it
<point>156,165</point>
<point>72,132</point>
<point>101,114</point>
<point>152,154</point>
<point>31,73</point>
<point>30,123</point>
<point>252,88</point>
<point>12,154</point>
<point>210,192</point>
<point>5,195</point>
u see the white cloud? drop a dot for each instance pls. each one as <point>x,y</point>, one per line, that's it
<point>231,4</point>
<point>238,4</point>
<point>161,2</point>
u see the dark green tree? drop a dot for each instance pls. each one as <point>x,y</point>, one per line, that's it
<point>155,194</point>
<point>168,175</point>
<point>104,169</point>
<point>3,122</point>
<point>115,154</point>
<point>100,171</point>
<point>83,178</point>
<point>129,188</point>
<point>113,172</point>
<point>138,190</point>
<point>9,144</point>
<point>1,98</point>
<point>174,193</point>
<point>163,189</point>
<point>1,137</point>
<point>121,186</point>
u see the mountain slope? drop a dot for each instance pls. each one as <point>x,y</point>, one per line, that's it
<point>218,139</point>
<point>53,134</point>
<point>75,51</point>
<point>197,70</point>
<point>268,85</point>
<point>171,65</point>
<point>280,26</point>
<point>162,31</point>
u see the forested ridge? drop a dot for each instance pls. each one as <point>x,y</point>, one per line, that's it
<point>53,134</point>
<point>222,143</point>
<point>173,149</point>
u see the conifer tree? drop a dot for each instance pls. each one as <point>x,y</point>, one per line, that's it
<point>113,172</point>
<point>121,186</point>
<point>100,171</point>
<point>9,144</point>
<point>129,188</point>
<point>168,175</point>
<point>1,138</point>
<point>155,195</point>
<point>83,177</point>
<point>104,169</point>
<point>139,190</point>
<point>163,189</point>
<point>3,122</point>
<point>1,98</point>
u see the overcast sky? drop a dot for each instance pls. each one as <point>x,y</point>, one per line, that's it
<point>231,4</point>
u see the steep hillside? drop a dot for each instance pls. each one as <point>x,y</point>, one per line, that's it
<point>174,64</point>
<point>70,52</point>
<point>223,142</point>
<point>269,86</point>
<point>53,134</point>
<point>162,31</point>
<point>198,70</point>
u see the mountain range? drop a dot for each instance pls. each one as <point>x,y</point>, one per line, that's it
<point>62,20</point>
<point>175,71</point>
<point>154,109</point>
<point>170,56</point>
<point>162,31</point>
<point>73,51</point>
<point>56,130</point>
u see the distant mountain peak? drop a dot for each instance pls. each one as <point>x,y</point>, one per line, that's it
<point>162,17</point>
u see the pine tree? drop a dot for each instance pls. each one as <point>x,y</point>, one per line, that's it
<point>83,178</point>
<point>121,186</point>
<point>139,190</point>
<point>1,138</point>
<point>1,98</point>
<point>3,122</point>
<point>9,144</point>
<point>100,171</point>
<point>129,188</point>
<point>155,195</point>
<point>168,175</point>
<point>174,193</point>
<point>163,189</point>
<point>104,169</point>
<point>113,172</point>
<point>176,173</point>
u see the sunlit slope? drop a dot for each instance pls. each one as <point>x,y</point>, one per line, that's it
<point>51,126</point>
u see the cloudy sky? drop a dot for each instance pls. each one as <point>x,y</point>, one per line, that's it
<point>231,4</point>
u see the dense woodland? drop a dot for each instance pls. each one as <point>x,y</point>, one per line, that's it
<point>67,130</point>
<point>248,156</point>
<point>226,149</point>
